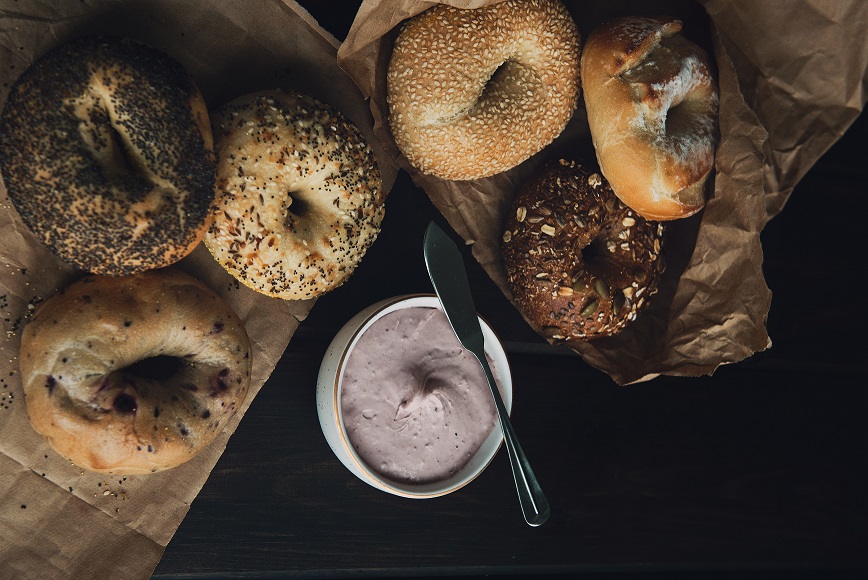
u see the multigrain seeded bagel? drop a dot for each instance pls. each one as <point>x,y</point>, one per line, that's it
<point>474,92</point>
<point>133,374</point>
<point>580,263</point>
<point>300,198</point>
<point>652,106</point>
<point>106,153</point>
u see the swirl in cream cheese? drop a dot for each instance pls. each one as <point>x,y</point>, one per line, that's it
<point>416,406</point>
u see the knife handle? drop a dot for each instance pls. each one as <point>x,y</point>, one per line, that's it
<point>534,504</point>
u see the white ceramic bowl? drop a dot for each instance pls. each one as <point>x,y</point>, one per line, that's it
<point>328,396</point>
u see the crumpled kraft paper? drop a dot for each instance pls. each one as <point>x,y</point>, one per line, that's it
<point>806,87</point>
<point>787,92</point>
<point>57,520</point>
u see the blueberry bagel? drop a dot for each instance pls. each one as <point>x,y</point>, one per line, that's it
<point>133,374</point>
<point>107,155</point>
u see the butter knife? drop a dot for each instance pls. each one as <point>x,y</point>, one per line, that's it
<point>446,269</point>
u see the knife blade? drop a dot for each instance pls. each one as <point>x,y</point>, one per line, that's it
<point>449,277</point>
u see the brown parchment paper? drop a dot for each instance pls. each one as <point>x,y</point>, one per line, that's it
<point>805,84</point>
<point>56,520</point>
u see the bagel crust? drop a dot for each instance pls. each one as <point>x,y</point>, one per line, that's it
<point>93,382</point>
<point>106,153</point>
<point>652,105</point>
<point>300,197</point>
<point>580,263</point>
<point>474,92</point>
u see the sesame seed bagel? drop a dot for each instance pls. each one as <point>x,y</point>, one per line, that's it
<point>474,92</point>
<point>133,374</point>
<point>106,153</point>
<point>300,198</point>
<point>580,263</point>
<point>652,106</point>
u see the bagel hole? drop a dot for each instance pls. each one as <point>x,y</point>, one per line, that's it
<point>510,80</point>
<point>155,368</point>
<point>299,207</point>
<point>496,76</point>
<point>595,253</point>
<point>677,119</point>
<point>122,159</point>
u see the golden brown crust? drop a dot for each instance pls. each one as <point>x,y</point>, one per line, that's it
<point>300,197</point>
<point>473,93</point>
<point>652,107</point>
<point>104,412</point>
<point>579,262</point>
<point>106,152</point>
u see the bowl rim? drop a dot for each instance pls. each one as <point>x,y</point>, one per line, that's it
<point>431,490</point>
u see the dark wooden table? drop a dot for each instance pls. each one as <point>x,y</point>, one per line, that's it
<point>758,470</point>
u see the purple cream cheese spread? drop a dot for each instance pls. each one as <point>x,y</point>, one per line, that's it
<point>415,404</point>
